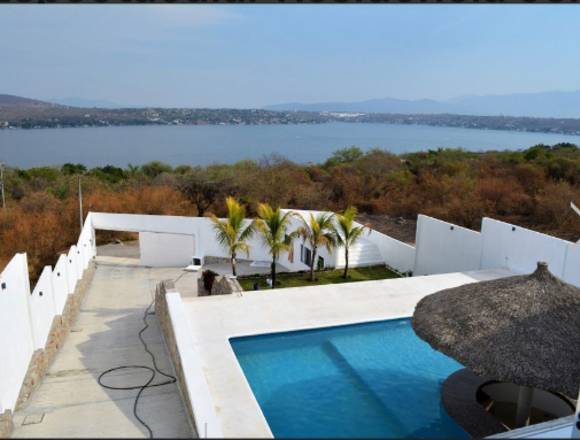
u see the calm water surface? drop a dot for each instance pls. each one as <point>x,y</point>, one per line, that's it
<point>205,144</point>
<point>366,380</point>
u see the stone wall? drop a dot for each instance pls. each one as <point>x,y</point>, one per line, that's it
<point>6,424</point>
<point>42,358</point>
<point>162,314</point>
<point>201,290</point>
<point>208,259</point>
<point>224,285</point>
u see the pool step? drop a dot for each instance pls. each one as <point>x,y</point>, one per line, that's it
<point>340,361</point>
<point>399,412</point>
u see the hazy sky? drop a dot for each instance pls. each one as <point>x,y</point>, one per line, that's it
<point>254,55</point>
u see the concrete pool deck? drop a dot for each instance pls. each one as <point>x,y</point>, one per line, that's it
<point>214,320</point>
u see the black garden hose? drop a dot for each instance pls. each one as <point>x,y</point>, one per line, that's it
<point>153,371</point>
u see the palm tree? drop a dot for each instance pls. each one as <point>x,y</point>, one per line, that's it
<point>273,225</point>
<point>234,231</point>
<point>318,231</point>
<point>347,234</point>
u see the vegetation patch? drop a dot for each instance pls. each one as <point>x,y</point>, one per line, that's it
<point>300,279</point>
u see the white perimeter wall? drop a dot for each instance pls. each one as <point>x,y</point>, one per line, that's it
<point>444,247</point>
<point>26,316</point>
<point>396,254</point>
<point>17,340</point>
<point>152,228</point>
<point>440,246</point>
<point>162,249</point>
<point>206,421</point>
<point>520,249</point>
<point>572,265</point>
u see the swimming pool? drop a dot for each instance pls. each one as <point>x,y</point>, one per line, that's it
<point>364,380</point>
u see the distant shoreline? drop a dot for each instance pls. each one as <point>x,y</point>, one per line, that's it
<point>370,118</point>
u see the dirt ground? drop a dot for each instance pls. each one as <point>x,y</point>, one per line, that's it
<point>396,227</point>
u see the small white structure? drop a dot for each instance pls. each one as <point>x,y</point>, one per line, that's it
<point>196,264</point>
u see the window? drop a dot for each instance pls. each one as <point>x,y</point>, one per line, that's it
<point>305,255</point>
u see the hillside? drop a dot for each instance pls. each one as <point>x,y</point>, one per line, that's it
<point>19,101</point>
<point>540,105</point>
<point>28,113</point>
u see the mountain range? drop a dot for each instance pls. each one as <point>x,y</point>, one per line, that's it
<point>542,104</point>
<point>19,112</point>
<point>88,103</point>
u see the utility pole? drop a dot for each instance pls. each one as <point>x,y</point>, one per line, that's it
<point>577,211</point>
<point>2,185</point>
<point>80,203</point>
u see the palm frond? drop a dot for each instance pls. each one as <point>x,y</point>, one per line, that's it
<point>273,226</point>
<point>247,233</point>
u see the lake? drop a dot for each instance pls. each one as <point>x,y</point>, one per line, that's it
<point>205,144</point>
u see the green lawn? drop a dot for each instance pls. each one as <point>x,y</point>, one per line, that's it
<point>322,277</point>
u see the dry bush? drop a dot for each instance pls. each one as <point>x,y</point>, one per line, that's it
<point>504,198</point>
<point>43,235</point>
<point>553,213</point>
<point>43,226</point>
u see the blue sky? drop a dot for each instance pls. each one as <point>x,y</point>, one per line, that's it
<point>255,55</point>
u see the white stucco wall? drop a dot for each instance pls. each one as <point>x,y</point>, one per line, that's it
<point>443,247</point>
<point>26,317</point>
<point>519,249</point>
<point>572,264</point>
<point>440,249</point>
<point>395,253</point>
<point>151,226</point>
<point>71,269</point>
<point>16,341</point>
<point>198,227</point>
<point>206,421</point>
<point>164,250</point>
<point>42,308</point>
<point>60,284</point>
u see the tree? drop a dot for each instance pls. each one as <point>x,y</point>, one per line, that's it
<point>273,226</point>
<point>73,168</point>
<point>234,231</point>
<point>199,189</point>
<point>318,231</point>
<point>155,168</point>
<point>344,155</point>
<point>347,234</point>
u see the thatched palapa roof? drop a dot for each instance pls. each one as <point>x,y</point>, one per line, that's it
<point>522,329</point>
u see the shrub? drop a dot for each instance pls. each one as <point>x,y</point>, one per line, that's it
<point>208,276</point>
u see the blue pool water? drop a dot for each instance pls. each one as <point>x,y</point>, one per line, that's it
<point>364,380</point>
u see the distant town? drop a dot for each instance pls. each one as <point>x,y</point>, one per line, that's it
<point>24,113</point>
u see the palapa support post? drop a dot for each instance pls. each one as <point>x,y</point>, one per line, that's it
<point>524,408</point>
